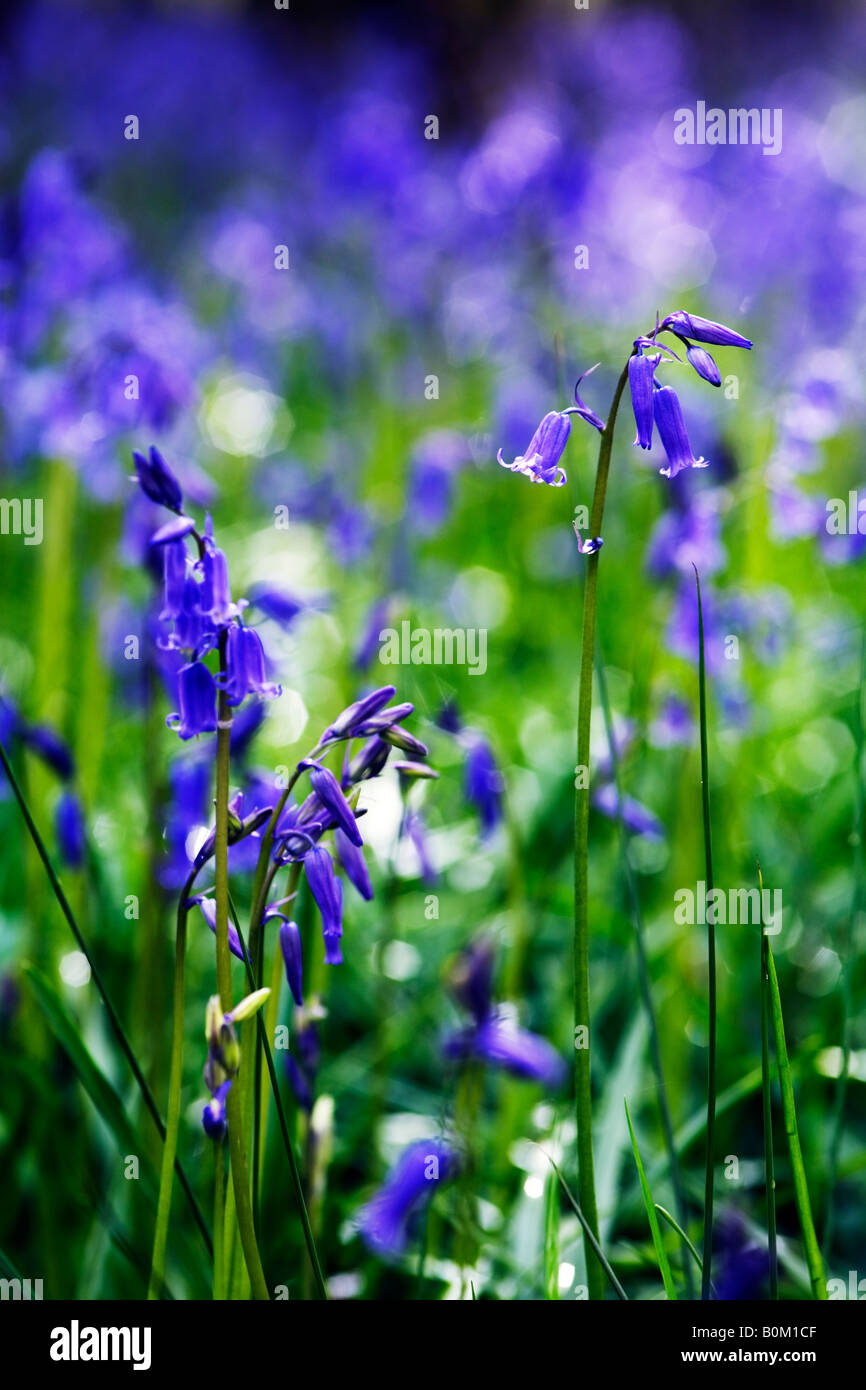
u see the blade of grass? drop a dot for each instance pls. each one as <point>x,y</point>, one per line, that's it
<point>798,1168</point>
<point>588,1233</point>
<point>769,1163</point>
<point>652,1218</point>
<point>105,1099</point>
<point>709,1185</point>
<point>113,1017</point>
<point>690,1245</point>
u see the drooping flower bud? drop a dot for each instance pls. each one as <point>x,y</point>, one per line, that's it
<point>329,792</point>
<point>290,945</point>
<point>157,481</point>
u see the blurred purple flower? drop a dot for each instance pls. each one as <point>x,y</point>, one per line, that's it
<point>69,824</point>
<point>385,1221</point>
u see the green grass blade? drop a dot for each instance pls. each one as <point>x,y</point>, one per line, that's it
<point>658,1243</point>
<point>113,1016</point>
<point>105,1099</point>
<point>798,1168</point>
<point>689,1244</point>
<point>588,1234</point>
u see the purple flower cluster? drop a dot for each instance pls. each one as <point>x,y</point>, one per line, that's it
<point>654,405</point>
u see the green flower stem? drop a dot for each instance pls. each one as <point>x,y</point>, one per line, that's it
<point>264,1031</point>
<point>219,1206</point>
<point>798,1168</point>
<point>582,1072</point>
<point>234,1107</point>
<point>769,1173</point>
<point>645,986</point>
<point>709,1181</point>
<point>175,1081</point>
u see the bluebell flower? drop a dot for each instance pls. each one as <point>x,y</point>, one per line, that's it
<point>290,945</point>
<point>353,863</point>
<point>386,720</point>
<point>245,666</point>
<point>174,569</point>
<point>471,977</point>
<point>742,1266</point>
<point>385,1221</point>
<point>197,695</point>
<point>157,480</point>
<point>213,1116</point>
<point>188,808</point>
<point>415,830</point>
<point>635,816</point>
<point>175,530</point>
<point>275,604</point>
<point>245,725</point>
<point>483,783</point>
<point>540,463</point>
<point>673,725</point>
<point>329,792</point>
<point>347,724</point>
<point>50,747</point>
<point>435,462</point>
<point>668,416</point>
<point>492,1037</point>
<point>69,824</point>
<point>369,762</point>
<point>641,380</point>
<point>516,1050</point>
<point>208,911</point>
<point>370,640</point>
<point>704,365</point>
<point>302,1063</point>
<point>703,330</point>
<point>215,599</point>
<point>327,890</point>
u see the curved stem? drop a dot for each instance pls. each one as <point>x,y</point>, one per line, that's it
<point>582,1073</point>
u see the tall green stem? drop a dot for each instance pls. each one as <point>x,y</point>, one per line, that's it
<point>644,979</point>
<point>769,1165</point>
<point>234,1107</point>
<point>219,1207</point>
<point>172,1119</point>
<point>709,1183</point>
<point>582,1072</point>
